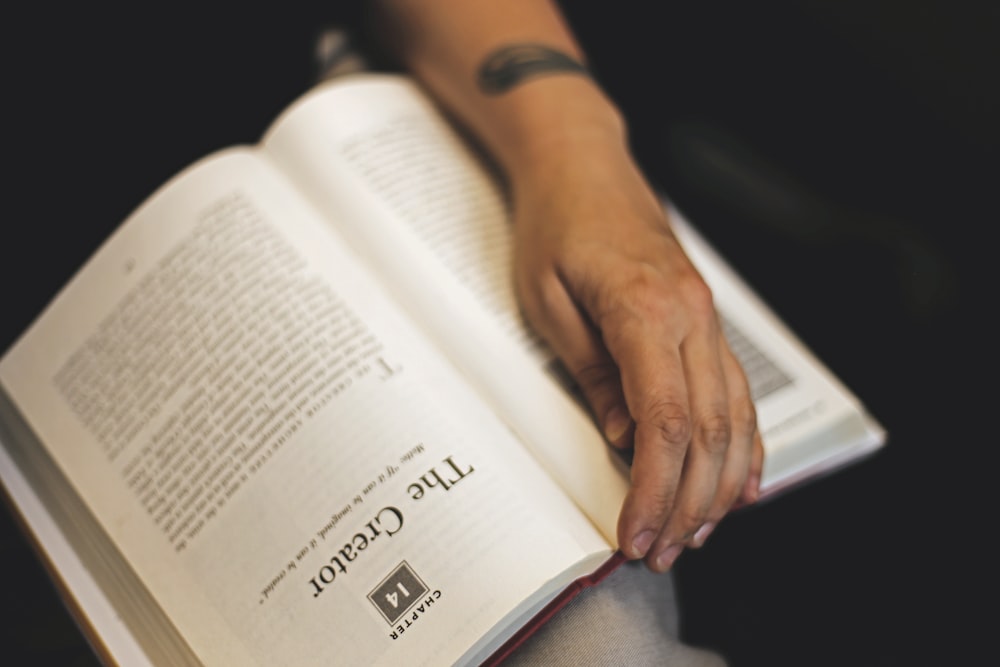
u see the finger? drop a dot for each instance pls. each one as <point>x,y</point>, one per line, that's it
<point>656,393</point>
<point>643,320</point>
<point>745,457</point>
<point>575,341</point>
<point>751,489</point>
<point>738,464</point>
<point>751,493</point>
<point>711,435</point>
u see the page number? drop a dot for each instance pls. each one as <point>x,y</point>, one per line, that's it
<point>393,598</point>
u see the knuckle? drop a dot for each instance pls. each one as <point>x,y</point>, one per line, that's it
<point>714,433</point>
<point>697,294</point>
<point>639,293</point>
<point>671,421</point>
<point>642,284</point>
<point>744,417</point>
<point>643,294</point>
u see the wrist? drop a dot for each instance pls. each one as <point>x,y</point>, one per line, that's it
<point>550,121</point>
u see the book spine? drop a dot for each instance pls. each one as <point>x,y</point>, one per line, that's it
<point>553,607</point>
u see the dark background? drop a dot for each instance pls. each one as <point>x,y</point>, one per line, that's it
<point>841,154</point>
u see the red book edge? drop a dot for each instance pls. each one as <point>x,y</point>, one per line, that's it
<point>553,607</point>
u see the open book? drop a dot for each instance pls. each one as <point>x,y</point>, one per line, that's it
<point>289,413</point>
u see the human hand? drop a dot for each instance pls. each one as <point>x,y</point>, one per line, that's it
<point>602,278</point>
<point>599,274</point>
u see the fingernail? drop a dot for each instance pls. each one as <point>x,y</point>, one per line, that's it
<point>667,558</point>
<point>640,545</point>
<point>616,422</point>
<point>703,533</point>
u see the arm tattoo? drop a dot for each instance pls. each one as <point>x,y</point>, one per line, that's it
<point>508,66</point>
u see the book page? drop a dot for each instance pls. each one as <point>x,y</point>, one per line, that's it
<point>375,155</point>
<point>103,624</point>
<point>290,468</point>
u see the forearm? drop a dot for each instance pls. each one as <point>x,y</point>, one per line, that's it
<point>447,43</point>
